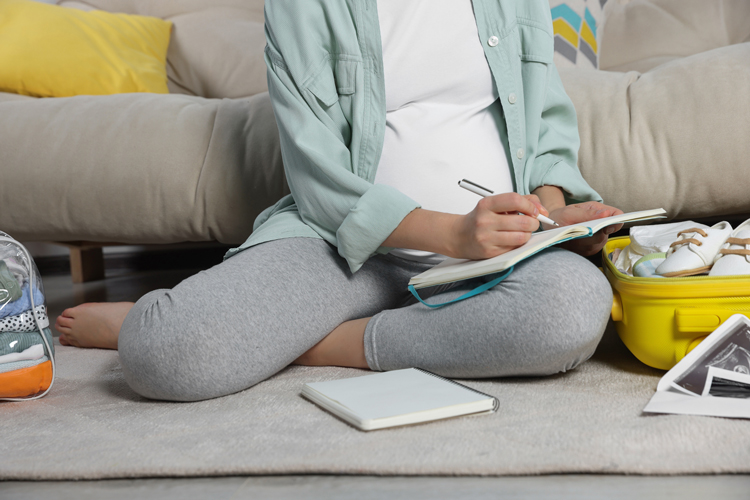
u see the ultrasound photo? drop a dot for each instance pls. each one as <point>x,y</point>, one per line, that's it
<point>725,388</point>
<point>732,353</point>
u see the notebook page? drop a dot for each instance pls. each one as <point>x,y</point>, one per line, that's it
<point>597,224</point>
<point>457,269</point>
<point>394,393</point>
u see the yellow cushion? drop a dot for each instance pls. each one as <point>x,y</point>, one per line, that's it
<point>51,51</point>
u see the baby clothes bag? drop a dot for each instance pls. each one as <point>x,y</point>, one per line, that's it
<point>27,362</point>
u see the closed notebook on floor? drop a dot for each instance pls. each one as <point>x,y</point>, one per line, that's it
<point>398,397</point>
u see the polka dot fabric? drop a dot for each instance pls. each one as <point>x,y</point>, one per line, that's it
<point>24,322</point>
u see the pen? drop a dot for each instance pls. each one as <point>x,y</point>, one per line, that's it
<point>484,192</point>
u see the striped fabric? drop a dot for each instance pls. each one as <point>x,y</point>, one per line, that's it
<point>575,24</point>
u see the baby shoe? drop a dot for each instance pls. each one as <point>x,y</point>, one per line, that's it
<point>694,251</point>
<point>734,255</point>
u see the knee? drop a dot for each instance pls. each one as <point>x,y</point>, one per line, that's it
<point>150,351</point>
<point>583,304</point>
<point>168,352</point>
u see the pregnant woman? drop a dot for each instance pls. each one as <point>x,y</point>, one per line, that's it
<point>382,107</point>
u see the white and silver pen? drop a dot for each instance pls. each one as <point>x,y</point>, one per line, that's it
<point>484,192</point>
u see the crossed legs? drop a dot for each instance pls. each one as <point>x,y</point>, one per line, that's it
<point>236,324</point>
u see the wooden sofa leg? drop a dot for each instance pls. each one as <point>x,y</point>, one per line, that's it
<point>86,264</point>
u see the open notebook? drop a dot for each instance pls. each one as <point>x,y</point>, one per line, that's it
<point>398,397</point>
<point>451,270</point>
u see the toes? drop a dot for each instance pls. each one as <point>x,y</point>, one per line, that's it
<point>68,341</point>
<point>64,322</point>
<point>68,313</point>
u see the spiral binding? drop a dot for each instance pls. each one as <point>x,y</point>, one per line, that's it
<point>496,402</point>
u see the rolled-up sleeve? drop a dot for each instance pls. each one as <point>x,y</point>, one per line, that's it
<point>556,163</point>
<point>343,208</point>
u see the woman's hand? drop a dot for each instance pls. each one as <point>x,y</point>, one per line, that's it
<point>495,226</point>
<point>582,212</point>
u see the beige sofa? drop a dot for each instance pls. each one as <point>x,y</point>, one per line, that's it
<point>195,165</point>
<point>666,125</point>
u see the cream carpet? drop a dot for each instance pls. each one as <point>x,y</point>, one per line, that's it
<point>586,421</point>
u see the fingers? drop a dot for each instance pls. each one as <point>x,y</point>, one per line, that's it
<point>598,239</point>
<point>488,234</point>
<point>607,211</point>
<point>491,221</point>
<point>612,229</point>
<point>510,202</point>
<point>587,246</point>
<point>601,210</point>
<point>492,244</point>
<point>501,213</point>
<point>581,212</point>
<point>594,210</point>
<point>537,202</point>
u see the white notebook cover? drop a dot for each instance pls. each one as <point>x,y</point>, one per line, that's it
<point>398,397</point>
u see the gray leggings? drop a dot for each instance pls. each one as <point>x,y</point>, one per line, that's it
<point>238,323</point>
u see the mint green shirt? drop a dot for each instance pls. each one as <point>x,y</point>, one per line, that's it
<point>325,79</point>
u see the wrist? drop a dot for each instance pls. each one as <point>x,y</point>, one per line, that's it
<point>426,230</point>
<point>552,197</point>
<point>450,243</point>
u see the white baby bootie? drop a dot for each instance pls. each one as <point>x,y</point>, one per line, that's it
<point>734,255</point>
<point>694,251</point>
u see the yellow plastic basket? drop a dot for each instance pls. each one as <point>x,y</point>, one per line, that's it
<point>662,319</point>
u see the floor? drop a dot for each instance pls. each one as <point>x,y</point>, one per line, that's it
<point>392,488</point>
<point>126,285</point>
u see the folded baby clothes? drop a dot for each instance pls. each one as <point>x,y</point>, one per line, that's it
<point>11,342</point>
<point>10,290</point>
<point>22,304</point>
<point>25,321</point>
<point>17,268</point>
<point>646,265</point>
<point>27,364</point>
<point>20,365</point>
<point>33,352</point>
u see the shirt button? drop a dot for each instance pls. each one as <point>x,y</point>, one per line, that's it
<point>519,153</point>
<point>493,41</point>
<point>512,98</point>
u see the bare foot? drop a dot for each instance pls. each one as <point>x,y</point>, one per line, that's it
<point>94,324</point>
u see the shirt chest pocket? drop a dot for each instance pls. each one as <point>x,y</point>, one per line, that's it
<point>533,65</point>
<point>535,44</point>
<point>331,91</point>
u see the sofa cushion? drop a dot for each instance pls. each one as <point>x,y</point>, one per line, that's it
<point>576,24</point>
<point>138,168</point>
<point>216,48</point>
<point>49,51</point>
<point>674,137</point>
<point>7,96</point>
<point>641,34</point>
